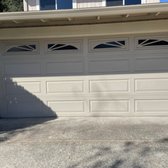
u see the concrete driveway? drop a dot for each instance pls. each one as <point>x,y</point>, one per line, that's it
<point>84,143</point>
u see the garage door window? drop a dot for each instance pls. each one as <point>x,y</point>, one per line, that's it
<point>112,44</point>
<point>22,48</point>
<point>63,47</point>
<point>17,48</point>
<point>59,47</point>
<point>153,42</point>
<point>108,45</point>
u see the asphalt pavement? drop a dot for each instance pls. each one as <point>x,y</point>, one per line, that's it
<point>84,143</point>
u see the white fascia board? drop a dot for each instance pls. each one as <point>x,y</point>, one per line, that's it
<point>116,29</point>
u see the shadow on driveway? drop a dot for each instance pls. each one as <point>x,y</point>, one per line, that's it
<point>12,127</point>
<point>129,154</point>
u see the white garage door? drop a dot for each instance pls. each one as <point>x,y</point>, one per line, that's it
<point>110,76</point>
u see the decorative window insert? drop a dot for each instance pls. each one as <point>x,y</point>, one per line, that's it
<point>152,42</point>
<point>108,45</point>
<point>63,47</point>
<point>59,47</point>
<point>22,48</point>
<point>112,44</point>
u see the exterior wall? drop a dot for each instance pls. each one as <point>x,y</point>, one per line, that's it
<point>31,5</point>
<point>89,3</point>
<point>152,1</point>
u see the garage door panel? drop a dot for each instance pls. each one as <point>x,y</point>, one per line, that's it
<point>111,106</point>
<point>24,98</point>
<point>109,56</point>
<point>27,106</point>
<point>150,95</point>
<point>23,88</point>
<point>65,86</point>
<point>153,105</point>
<point>156,54</point>
<point>154,64</point>
<point>63,57</point>
<point>109,66</point>
<point>151,85</point>
<point>66,106</point>
<point>112,95</point>
<point>24,69</point>
<point>64,68</point>
<point>24,106</point>
<point>93,77</point>
<point>110,85</point>
<point>21,111</point>
<point>24,109</point>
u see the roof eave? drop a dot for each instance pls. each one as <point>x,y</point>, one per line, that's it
<point>87,12</point>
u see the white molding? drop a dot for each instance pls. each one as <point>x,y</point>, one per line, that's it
<point>123,2</point>
<point>56,5</point>
<point>25,5</point>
